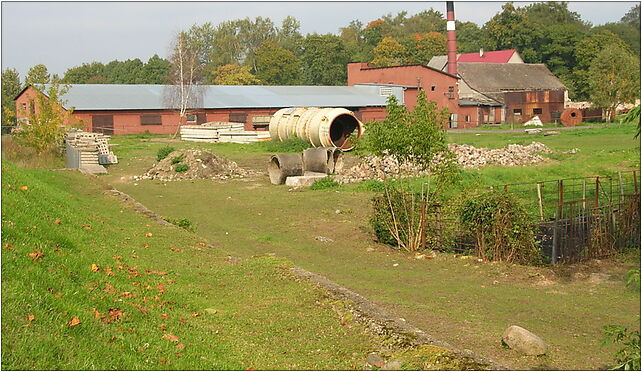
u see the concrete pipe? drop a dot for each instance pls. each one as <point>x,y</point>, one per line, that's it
<point>337,161</point>
<point>319,160</point>
<point>282,166</point>
<point>321,127</point>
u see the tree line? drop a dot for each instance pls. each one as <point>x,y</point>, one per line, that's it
<point>257,51</point>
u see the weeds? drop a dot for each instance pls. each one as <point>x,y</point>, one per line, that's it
<point>181,168</point>
<point>324,183</point>
<point>633,279</point>
<point>628,357</point>
<point>178,159</point>
<point>163,152</point>
<point>181,222</point>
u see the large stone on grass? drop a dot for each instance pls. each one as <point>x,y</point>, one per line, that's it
<point>520,339</point>
<point>393,365</point>
<point>303,181</point>
<point>375,360</point>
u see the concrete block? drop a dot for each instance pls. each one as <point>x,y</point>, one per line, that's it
<point>303,181</point>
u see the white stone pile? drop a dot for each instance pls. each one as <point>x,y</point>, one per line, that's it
<point>468,157</point>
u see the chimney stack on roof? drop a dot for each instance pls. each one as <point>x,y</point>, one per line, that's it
<point>452,38</point>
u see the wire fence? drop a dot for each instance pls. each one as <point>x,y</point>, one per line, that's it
<point>576,218</point>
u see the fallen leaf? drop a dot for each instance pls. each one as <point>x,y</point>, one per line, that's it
<point>59,294</point>
<point>171,337</point>
<point>201,244</point>
<point>109,272</point>
<point>182,320</point>
<point>180,347</point>
<point>195,315</point>
<point>97,314</point>
<point>23,188</point>
<point>36,255</point>
<point>146,246</point>
<point>163,360</point>
<point>175,250</point>
<point>119,267</point>
<point>94,267</point>
<point>74,322</point>
<point>8,246</point>
<point>116,314</point>
<point>86,227</point>
<point>178,355</point>
<point>126,294</point>
<point>134,255</point>
<point>156,298</point>
<point>161,288</point>
<point>249,369</point>
<point>149,235</point>
<point>57,221</point>
<point>31,318</point>
<point>162,327</point>
<point>164,316</point>
<point>170,281</point>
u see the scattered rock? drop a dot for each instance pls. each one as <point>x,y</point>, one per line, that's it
<point>393,365</point>
<point>532,131</point>
<point>370,249</point>
<point>323,239</point>
<point>211,311</point>
<point>520,339</point>
<point>379,168</point>
<point>572,151</point>
<point>201,164</point>
<point>551,133</point>
<point>375,360</point>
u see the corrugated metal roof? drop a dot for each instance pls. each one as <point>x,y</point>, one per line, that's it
<point>152,97</point>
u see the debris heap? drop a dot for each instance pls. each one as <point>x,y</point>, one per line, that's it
<point>193,164</point>
<point>379,168</point>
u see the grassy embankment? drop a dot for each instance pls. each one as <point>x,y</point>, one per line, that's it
<point>146,296</point>
<point>459,301</point>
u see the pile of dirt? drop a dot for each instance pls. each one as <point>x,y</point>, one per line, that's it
<point>197,164</point>
<point>379,168</point>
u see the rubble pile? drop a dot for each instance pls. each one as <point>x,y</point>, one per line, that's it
<point>200,165</point>
<point>379,168</point>
<point>512,155</point>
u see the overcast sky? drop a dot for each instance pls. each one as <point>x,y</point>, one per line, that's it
<point>66,34</point>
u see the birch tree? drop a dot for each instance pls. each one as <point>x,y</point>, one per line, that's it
<point>186,74</point>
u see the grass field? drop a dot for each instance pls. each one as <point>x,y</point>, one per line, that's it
<point>89,284</point>
<point>461,301</point>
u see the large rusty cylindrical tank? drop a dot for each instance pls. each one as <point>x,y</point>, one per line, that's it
<point>321,127</point>
<point>571,117</point>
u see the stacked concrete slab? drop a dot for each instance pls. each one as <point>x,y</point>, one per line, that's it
<point>88,151</point>
<point>217,131</point>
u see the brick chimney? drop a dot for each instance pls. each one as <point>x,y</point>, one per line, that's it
<point>452,38</point>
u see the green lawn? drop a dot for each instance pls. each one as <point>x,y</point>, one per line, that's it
<point>148,296</point>
<point>460,301</point>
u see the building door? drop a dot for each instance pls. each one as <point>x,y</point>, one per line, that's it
<point>200,119</point>
<point>453,120</point>
<point>491,115</point>
<point>102,124</point>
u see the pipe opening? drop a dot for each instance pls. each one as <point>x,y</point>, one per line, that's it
<point>341,128</point>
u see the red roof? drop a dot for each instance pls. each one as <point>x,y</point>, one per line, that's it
<point>496,56</point>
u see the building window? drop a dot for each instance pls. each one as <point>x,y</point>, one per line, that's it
<point>433,88</point>
<point>517,111</point>
<point>24,108</point>
<point>537,111</point>
<point>451,92</point>
<point>467,118</point>
<point>32,108</point>
<point>191,118</point>
<point>238,117</point>
<point>385,91</point>
<point>150,119</point>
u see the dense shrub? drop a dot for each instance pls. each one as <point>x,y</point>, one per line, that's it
<point>163,152</point>
<point>324,183</point>
<point>502,227</point>
<point>181,168</point>
<point>181,222</point>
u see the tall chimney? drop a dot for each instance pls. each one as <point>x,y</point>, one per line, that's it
<point>452,38</point>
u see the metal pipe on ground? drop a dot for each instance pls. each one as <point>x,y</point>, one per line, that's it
<point>321,127</point>
<point>282,166</point>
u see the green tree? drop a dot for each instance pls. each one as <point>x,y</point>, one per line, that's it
<point>277,66</point>
<point>289,37</point>
<point>632,17</point>
<point>469,37</point>
<point>585,52</point>
<point>10,89</point>
<point>37,74</point>
<point>234,75</point>
<point>614,78</point>
<point>324,60</point>
<point>47,123</point>
<point>626,32</point>
<point>84,73</point>
<point>156,70</point>
<point>424,22</point>
<point>422,47</point>
<point>353,39</point>
<point>418,135</point>
<point>389,52</point>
